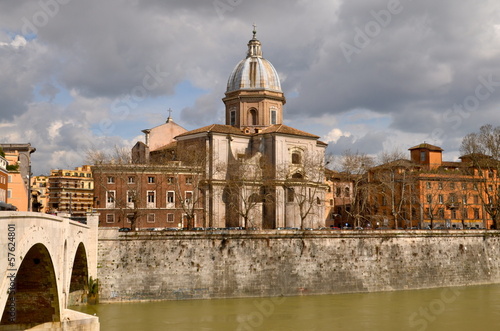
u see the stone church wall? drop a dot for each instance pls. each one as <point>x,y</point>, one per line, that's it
<point>191,265</point>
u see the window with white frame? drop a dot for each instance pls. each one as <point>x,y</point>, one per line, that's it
<point>151,179</point>
<point>170,218</point>
<point>130,199</point>
<point>111,180</point>
<point>170,199</point>
<point>151,218</point>
<point>110,199</point>
<point>189,180</point>
<point>131,179</point>
<point>151,199</point>
<point>189,197</point>
<point>273,119</point>
<point>110,218</point>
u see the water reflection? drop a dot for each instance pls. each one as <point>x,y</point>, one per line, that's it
<point>460,308</point>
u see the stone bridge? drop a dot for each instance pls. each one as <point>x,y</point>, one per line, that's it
<point>45,264</point>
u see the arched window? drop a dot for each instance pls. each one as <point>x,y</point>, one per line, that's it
<point>297,175</point>
<point>252,116</point>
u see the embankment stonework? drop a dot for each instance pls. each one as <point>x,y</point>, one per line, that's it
<point>196,265</point>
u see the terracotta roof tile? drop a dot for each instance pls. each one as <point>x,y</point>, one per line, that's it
<point>281,128</point>
<point>426,146</point>
<point>218,128</point>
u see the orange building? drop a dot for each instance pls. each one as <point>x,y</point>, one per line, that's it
<point>338,200</point>
<point>18,157</point>
<point>427,192</point>
<point>4,177</point>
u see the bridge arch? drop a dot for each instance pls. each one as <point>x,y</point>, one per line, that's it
<point>78,284</point>
<point>35,298</point>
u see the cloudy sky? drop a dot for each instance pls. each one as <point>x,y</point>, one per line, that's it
<point>364,75</point>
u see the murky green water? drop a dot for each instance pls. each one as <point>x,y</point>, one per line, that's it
<point>457,309</point>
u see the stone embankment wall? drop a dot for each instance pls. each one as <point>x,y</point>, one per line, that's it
<point>195,265</point>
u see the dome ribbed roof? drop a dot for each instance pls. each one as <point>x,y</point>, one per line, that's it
<point>254,72</point>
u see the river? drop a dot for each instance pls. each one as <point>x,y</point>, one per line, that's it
<point>455,308</point>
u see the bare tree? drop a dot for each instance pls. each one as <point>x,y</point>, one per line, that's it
<point>246,192</point>
<point>353,168</point>
<point>397,187</point>
<point>482,150</point>
<point>305,185</point>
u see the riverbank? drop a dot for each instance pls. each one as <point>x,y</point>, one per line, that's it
<point>169,265</point>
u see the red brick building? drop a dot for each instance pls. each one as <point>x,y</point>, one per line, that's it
<point>140,196</point>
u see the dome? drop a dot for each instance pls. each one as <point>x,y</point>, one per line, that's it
<point>254,72</point>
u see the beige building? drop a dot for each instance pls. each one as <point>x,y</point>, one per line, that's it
<point>71,191</point>
<point>40,194</point>
<point>259,172</point>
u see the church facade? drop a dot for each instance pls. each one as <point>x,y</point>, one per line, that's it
<point>251,172</point>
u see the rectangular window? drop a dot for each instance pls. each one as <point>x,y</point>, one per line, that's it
<point>440,198</point>
<point>232,115</point>
<point>476,199</point>
<point>189,180</point>
<point>151,218</point>
<point>474,187</point>
<point>151,179</point>
<point>440,186</point>
<point>9,194</point>
<point>465,213</point>
<point>130,199</point>
<point>151,198</point>
<point>290,195</point>
<point>189,197</point>
<point>422,156</point>
<point>338,191</point>
<point>453,213</point>
<point>453,198</point>
<point>273,116</point>
<point>110,199</point>
<point>110,218</point>
<point>111,180</point>
<point>429,198</point>
<point>170,180</point>
<point>452,186</point>
<point>170,218</point>
<point>331,202</point>
<point>464,186</point>
<point>9,179</point>
<point>476,213</point>
<point>131,179</point>
<point>464,199</point>
<point>130,218</point>
<point>170,199</point>
<point>441,212</point>
<point>428,185</point>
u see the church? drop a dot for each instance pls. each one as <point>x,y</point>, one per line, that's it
<point>251,172</point>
